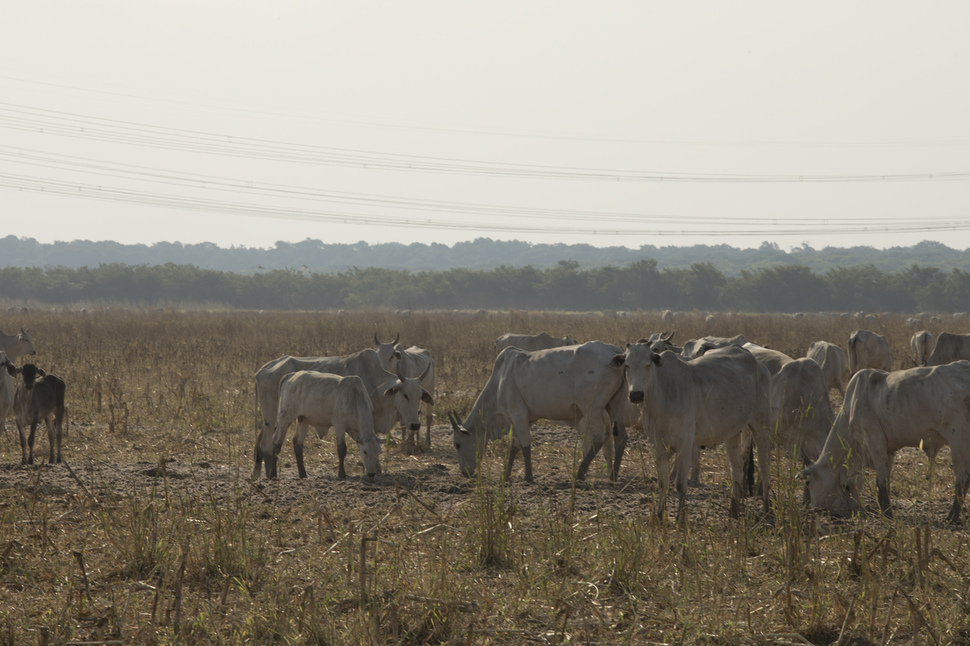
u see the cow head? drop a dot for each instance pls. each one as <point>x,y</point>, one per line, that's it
<point>569,340</point>
<point>659,342</point>
<point>468,444</point>
<point>408,395</point>
<point>29,372</point>
<point>388,352</point>
<point>830,488</point>
<point>26,343</point>
<point>370,455</point>
<point>640,362</point>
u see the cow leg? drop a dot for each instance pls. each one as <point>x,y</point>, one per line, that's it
<point>595,446</point>
<point>882,462</point>
<point>510,458</point>
<point>51,439</point>
<point>663,475</point>
<point>257,456</point>
<point>735,452</point>
<point>299,439</point>
<point>619,446</point>
<point>764,468</point>
<point>21,431</point>
<point>30,442</point>
<point>695,466</point>
<point>960,452</point>
<point>681,475</point>
<point>427,426</point>
<point>592,442</point>
<point>341,454</point>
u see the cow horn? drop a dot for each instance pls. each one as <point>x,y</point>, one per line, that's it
<point>668,335</point>
<point>376,340</point>
<point>454,420</point>
<point>397,338</point>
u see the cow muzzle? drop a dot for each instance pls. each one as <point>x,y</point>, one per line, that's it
<point>636,396</point>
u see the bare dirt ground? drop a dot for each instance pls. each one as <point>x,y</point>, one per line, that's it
<point>430,477</point>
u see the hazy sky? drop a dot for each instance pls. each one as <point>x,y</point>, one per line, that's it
<point>667,123</point>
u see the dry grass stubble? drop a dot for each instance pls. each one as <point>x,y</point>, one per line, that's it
<point>161,538</point>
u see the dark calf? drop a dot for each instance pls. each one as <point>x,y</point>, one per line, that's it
<point>39,397</point>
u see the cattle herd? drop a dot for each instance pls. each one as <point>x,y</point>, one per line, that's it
<point>684,398</point>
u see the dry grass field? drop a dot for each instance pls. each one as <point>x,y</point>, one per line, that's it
<point>154,532</point>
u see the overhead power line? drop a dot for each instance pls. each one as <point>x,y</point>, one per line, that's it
<point>65,124</point>
<point>649,228</point>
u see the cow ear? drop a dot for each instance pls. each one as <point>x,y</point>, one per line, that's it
<point>618,360</point>
<point>807,472</point>
<point>397,355</point>
<point>427,398</point>
<point>12,369</point>
<point>392,389</point>
<point>657,359</point>
<point>41,373</point>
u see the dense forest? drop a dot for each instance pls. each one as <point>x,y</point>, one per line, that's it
<point>566,286</point>
<point>483,253</point>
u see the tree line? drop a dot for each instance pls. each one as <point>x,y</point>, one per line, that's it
<point>638,285</point>
<point>481,253</point>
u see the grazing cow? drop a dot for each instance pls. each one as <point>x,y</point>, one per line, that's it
<point>572,384</point>
<point>532,342</point>
<point>323,400</point>
<point>392,397</point>
<point>884,412</point>
<point>410,362</point>
<point>697,347</point>
<point>17,345</point>
<point>801,413</point>
<point>7,390</point>
<point>869,350</point>
<point>832,360</point>
<point>949,348</point>
<point>39,396</point>
<point>914,323</point>
<point>922,346</point>
<point>707,401</point>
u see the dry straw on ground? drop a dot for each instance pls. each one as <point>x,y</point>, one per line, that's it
<point>153,532</point>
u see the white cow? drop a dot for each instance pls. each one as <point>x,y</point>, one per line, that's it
<point>949,347</point>
<point>922,345</point>
<point>410,362</point>
<point>39,397</point>
<point>532,342</point>
<point>17,345</point>
<point>884,412</point>
<point>832,360</point>
<point>801,413</point>
<point>869,350</point>
<point>572,384</point>
<point>697,347</point>
<point>392,398</point>
<point>323,400</point>
<point>710,400</point>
